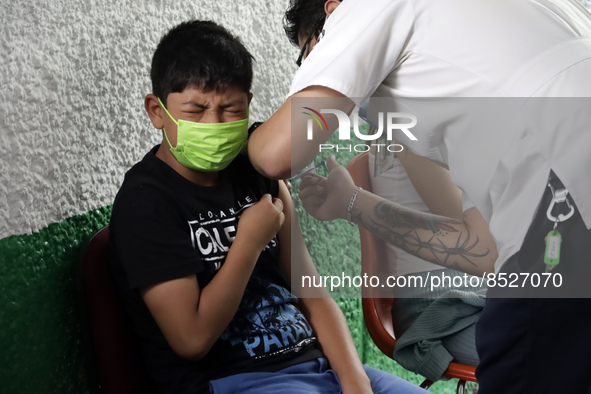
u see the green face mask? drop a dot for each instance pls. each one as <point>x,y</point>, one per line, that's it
<point>207,146</point>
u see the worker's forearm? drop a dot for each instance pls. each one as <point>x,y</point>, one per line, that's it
<point>440,240</point>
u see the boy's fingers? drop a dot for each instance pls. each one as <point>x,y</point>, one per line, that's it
<point>278,203</point>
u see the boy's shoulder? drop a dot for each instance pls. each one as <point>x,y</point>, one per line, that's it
<point>151,175</point>
<point>151,184</point>
<point>146,186</point>
<point>242,170</point>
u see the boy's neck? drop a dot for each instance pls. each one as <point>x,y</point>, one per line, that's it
<point>201,178</point>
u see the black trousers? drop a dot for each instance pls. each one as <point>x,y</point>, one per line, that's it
<point>538,340</point>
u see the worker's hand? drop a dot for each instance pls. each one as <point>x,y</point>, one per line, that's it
<point>262,221</point>
<point>327,198</point>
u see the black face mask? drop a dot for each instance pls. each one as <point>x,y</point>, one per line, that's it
<point>305,46</point>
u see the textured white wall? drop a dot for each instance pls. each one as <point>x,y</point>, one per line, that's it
<point>74,74</point>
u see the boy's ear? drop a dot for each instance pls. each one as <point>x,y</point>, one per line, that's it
<point>154,110</point>
<point>249,97</point>
<point>330,6</point>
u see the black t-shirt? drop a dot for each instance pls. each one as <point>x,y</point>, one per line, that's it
<point>165,227</point>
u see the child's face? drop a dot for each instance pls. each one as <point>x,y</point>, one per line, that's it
<point>196,105</point>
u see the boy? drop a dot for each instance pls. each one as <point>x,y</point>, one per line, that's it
<point>202,248</point>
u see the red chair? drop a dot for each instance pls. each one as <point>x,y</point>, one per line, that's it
<point>377,311</point>
<point>112,357</point>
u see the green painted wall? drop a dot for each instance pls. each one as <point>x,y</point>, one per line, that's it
<point>39,339</point>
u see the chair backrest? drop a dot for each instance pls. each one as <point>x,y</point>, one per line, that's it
<point>377,312</point>
<point>112,358</point>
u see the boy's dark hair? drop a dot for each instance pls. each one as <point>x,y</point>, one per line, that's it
<point>201,54</point>
<point>301,19</point>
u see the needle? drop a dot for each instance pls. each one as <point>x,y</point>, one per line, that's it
<point>298,176</point>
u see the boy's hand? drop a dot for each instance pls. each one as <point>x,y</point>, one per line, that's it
<point>262,221</point>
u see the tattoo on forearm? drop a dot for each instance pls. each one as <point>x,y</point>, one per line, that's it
<point>399,217</point>
<point>402,228</point>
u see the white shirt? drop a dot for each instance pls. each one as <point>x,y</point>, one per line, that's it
<point>516,49</point>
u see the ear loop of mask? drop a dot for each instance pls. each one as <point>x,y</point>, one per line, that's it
<point>175,122</point>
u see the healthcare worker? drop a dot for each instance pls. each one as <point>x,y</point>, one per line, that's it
<point>505,87</point>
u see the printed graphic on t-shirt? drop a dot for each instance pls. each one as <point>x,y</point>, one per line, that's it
<point>267,322</point>
<point>213,232</point>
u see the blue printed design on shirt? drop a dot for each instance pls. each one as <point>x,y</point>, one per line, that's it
<point>267,321</point>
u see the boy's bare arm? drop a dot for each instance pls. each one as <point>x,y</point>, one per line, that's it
<point>192,319</point>
<point>324,315</point>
